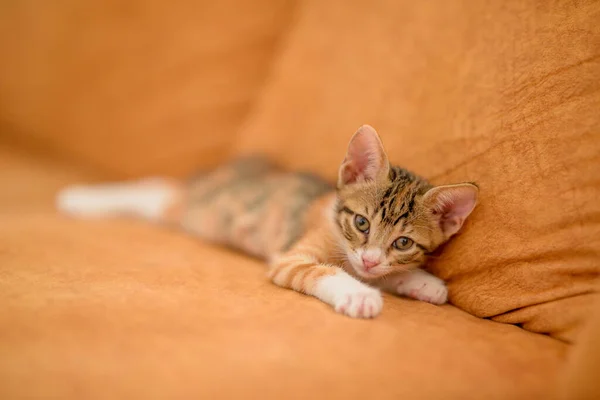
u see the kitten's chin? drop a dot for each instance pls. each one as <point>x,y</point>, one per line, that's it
<point>368,275</point>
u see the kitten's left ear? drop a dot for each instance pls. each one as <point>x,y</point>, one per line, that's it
<point>451,205</point>
<point>365,159</point>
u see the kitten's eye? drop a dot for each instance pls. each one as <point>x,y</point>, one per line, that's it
<point>403,243</point>
<point>362,224</point>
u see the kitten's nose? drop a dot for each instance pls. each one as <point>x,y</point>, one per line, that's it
<point>369,263</point>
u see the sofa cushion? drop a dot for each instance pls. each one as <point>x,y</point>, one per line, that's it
<point>123,310</point>
<point>502,93</point>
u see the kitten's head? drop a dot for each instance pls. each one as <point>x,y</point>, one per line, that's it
<point>389,218</point>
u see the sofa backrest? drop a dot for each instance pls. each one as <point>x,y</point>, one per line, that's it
<point>134,87</point>
<point>506,94</point>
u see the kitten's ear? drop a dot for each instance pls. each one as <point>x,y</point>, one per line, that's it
<point>365,159</point>
<point>451,205</point>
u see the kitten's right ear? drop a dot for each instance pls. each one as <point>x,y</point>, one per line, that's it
<point>450,205</point>
<point>365,159</point>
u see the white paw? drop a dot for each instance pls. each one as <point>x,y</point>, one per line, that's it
<point>349,296</point>
<point>424,287</point>
<point>365,303</point>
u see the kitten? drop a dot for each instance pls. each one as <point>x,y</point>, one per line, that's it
<point>342,246</point>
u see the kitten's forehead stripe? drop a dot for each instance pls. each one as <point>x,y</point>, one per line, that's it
<point>402,216</point>
<point>392,202</point>
<point>411,203</point>
<point>388,192</point>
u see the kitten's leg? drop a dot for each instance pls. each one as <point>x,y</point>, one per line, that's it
<point>419,285</point>
<point>330,284</point>
<point>154,199</point>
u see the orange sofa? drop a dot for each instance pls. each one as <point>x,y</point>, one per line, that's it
<point>505,94</point>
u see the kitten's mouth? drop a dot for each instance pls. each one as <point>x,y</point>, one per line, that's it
<point>367,274</point>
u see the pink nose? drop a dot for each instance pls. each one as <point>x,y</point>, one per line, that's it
<point>369,263</point>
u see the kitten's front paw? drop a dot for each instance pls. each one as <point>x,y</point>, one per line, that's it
<point>363,302</point>
<point>424,287</point>
<point>349,296</point>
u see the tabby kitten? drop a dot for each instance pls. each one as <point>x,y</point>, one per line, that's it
<point>342,246</point>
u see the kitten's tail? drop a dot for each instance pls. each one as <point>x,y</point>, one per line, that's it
<point>154,199</point>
